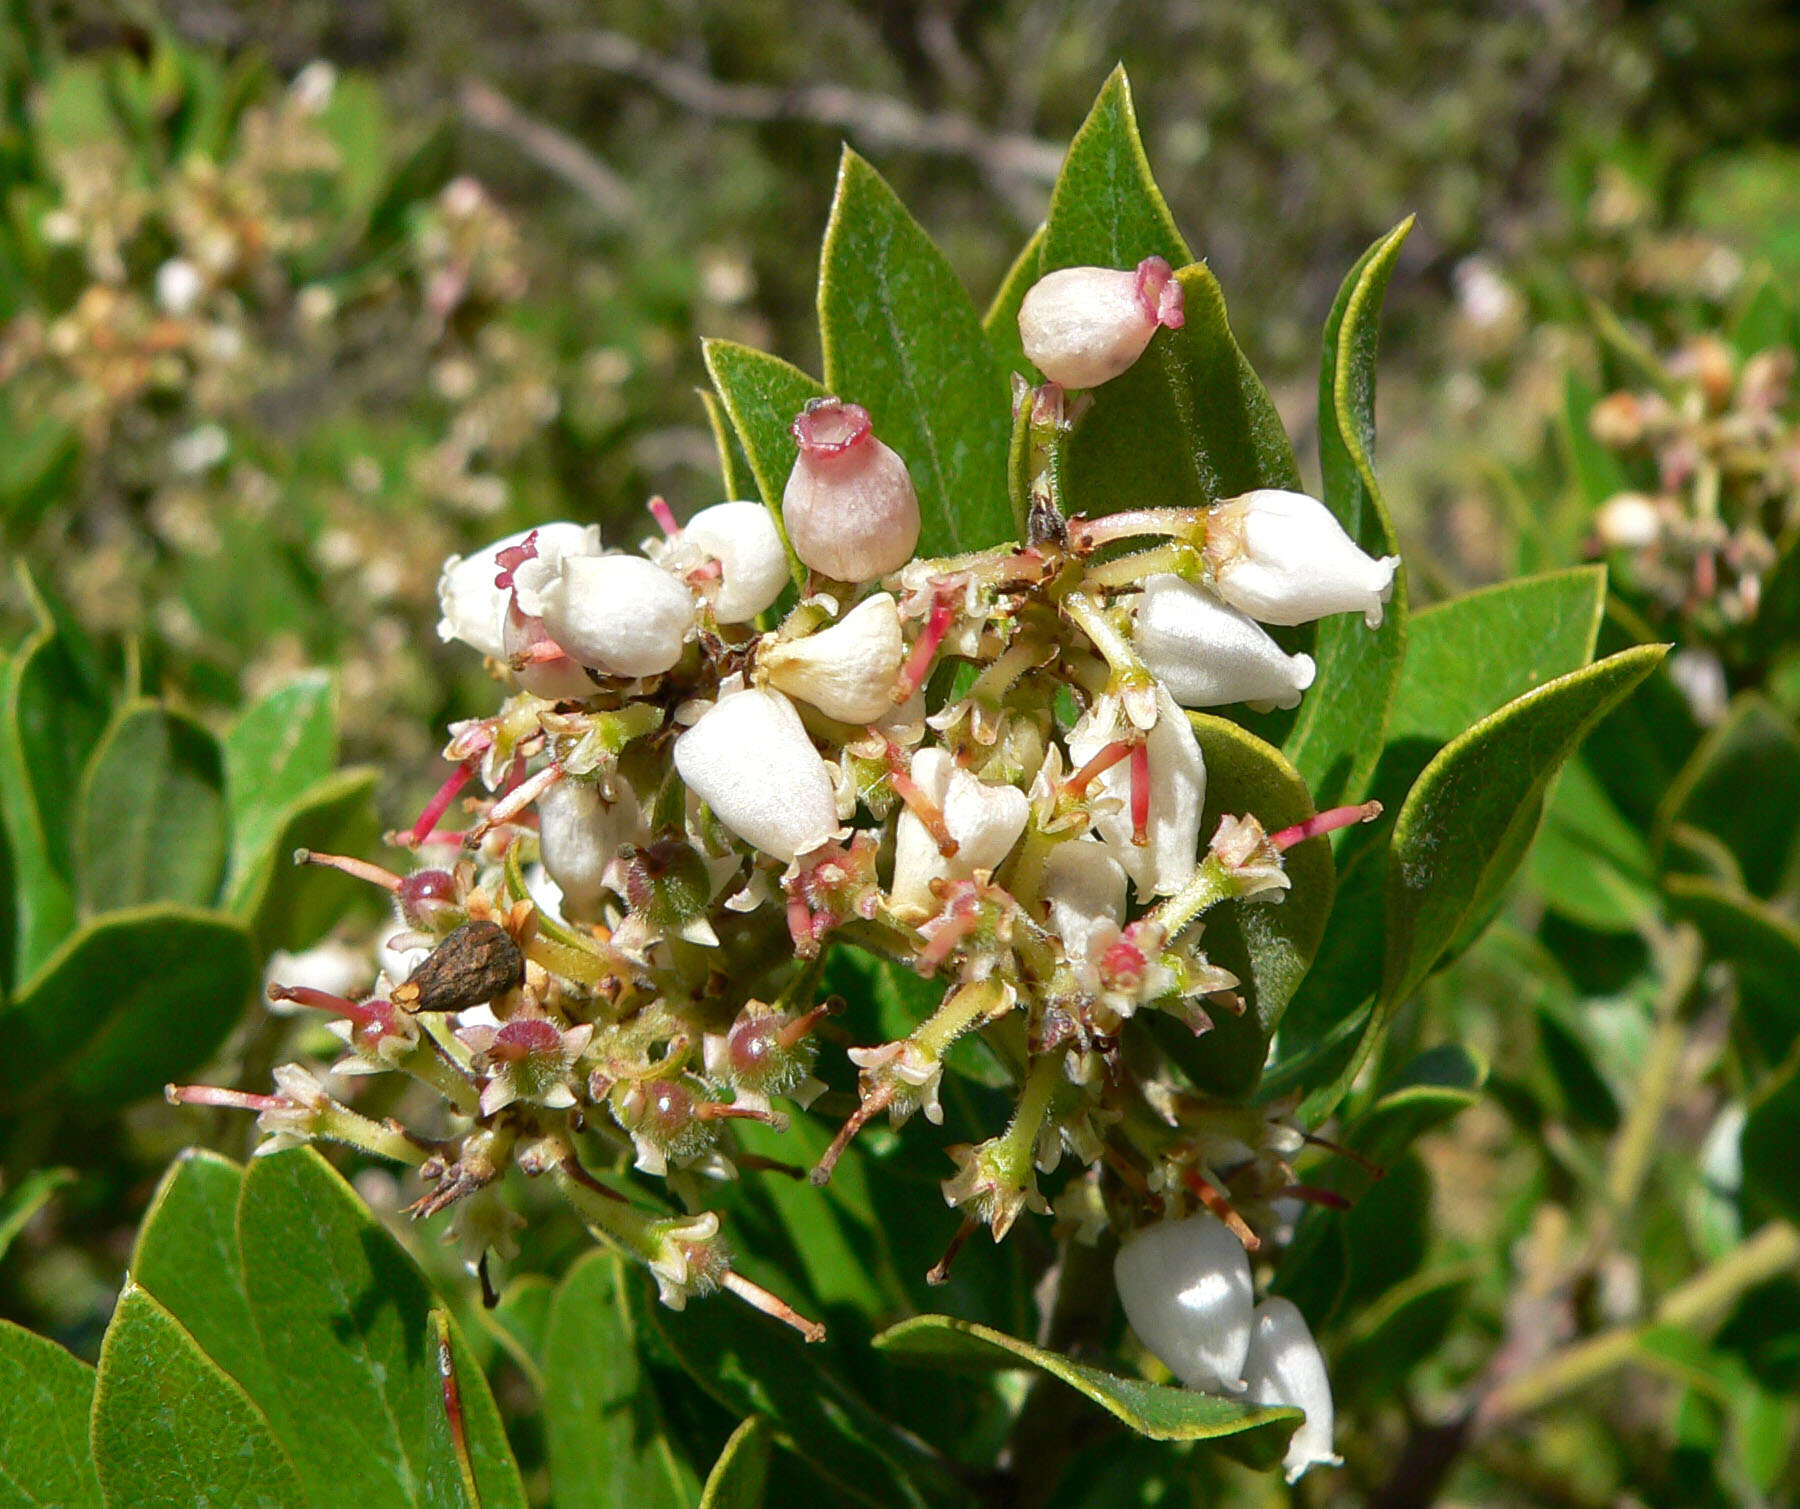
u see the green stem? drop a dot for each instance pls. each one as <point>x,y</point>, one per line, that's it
<point>1092,620</point>
<point>1211,884</point>
<point>1125,570</point>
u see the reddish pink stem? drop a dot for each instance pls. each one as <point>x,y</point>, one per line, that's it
<point>213,1095</point>
<point>918,663</point>
<point>363,1013</point>
<point>1325,822</point>
<point>440,804</point>
<point>1311,1194</point>
<point>1110,756</point>
<point>664,516</point>
<point>361,869</point>
<point>1140,794</point>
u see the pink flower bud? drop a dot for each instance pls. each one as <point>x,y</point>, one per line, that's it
<point>1186,1289</point>
<point>849,506</point>
<point>1082,326</point>
<point>1208,654</point>
<point>848,670</point>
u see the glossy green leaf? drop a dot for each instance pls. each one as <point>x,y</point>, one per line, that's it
<point>734,472</point>
<point>131,1001</point>
<point>1189,423</point>
<point>45,1398</point>
<point>1638,749</point>
<point>1438,1084</point>
<point>1001,322</point>
<point>1156,1410</point>
<point>280,747</point>
<point>150,824</point>
<point>1463,828</point>
<point>741,1475</point>
<point>752,1365</point>
<point>1267,943</point>
<point>48,725</point>
<point>171,1428</point>
<point>761,395</point>
<point>187,1257</point>
<point>1588,863</point>
<point>1761,945</point>
<point>901,338</point>
<point>26,1198</point>
<point>345,1322</point>
<point>292,906</point>
<point>1106,210</point>
<point>1755,749</point>
<point>1337,735</point>
<point>605,1434</point>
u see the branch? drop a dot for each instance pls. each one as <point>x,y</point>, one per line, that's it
<point>873,118</point>
<point>558,153</point>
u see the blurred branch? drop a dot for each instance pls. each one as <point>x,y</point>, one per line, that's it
<point>553,150</point>
<point>872,118</point>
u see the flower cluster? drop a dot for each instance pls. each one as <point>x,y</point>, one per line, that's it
<point>769,733</point>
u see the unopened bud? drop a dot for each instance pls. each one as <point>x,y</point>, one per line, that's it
<point>1186,1289</point>
<point>1284,1366</point>
<point>473,603</point>
<point>427,900</point>
<point>1082,326</point>
<point>743,539</point>
<point>749,758</point>
<point>620,614</point>
<point>1208,654</point>
<point>1628,521</point>
<point>1084,888</point>
<point>579,832</point>
<point>1283,558</point>
<point>849,505</point>
<point>846,671</point>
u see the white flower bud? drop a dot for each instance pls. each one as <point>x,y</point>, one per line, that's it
<point>580,832</point>
<point>849,506</point>
<point>1082,326</point>
<point>178,286</point>
<point>1208,654</point>
<point>474,607</point>
<point>1084,887</point>
<point>1186,1289</point>
<point>743,539</point>
<point>620,614</point>
<point>750,760</point>
<point>846,671</point>
<point>1166,862</point>
<point>984,819</point>
<point>1283,558</point>
<point>1628,521</point>
<point>1284,1366</point>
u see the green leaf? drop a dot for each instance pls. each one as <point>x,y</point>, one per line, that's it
<point>762,394</point>
<point>26,1198</point>
<point>1437,1085</point>
<point>751,1365</point>
<point>150,824</point>
<point>345,1322</point>
<point>1763,949</point>
<point>1396,1334</point>
<point>48,725</point>
<point>733,471</point>
<point>1589,863</point>
<point>1598,472</point>
<point>1268,944</point>
<point>129,1002</point>
<point>170,1427</point>
<point>187,1257</point>
<point>741,1475</point>
<point>1468,818</point>
<point>292,906</point>
<point>1771,1132</point>
<point>45,1397</point>
<point>1001,322</point>
<point>1156,1410</point>
<point>1190,422</point>
<point>901,338</point>
<point>280,748</point>
<point>1755,749</point>
<point>1337,735</point>
<point>1106,210</point>
<point>606,1438</point>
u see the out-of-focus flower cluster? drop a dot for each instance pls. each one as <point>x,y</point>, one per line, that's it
<point>770,732</point>
<point>196,324</point>
<point>1718,441</point>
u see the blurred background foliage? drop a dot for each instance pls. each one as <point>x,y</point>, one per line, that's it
<point>297,299</point>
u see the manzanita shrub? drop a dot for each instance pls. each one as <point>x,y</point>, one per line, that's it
<point>1020,812</point>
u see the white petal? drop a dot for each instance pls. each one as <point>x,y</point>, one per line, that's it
<point>1084,886</point>
<point>1284,1366</point>
<point>618,613</point>
<point>1177,793</point>
<point>984,819</point>
<point>846,671</point>
<point>580,833</point>
<point>1283,558</point>
<point>1186,1290</point>
<point>750,760</point>
<point>473,608</point>
<point>1208,654</point>
<point>743,538</point>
